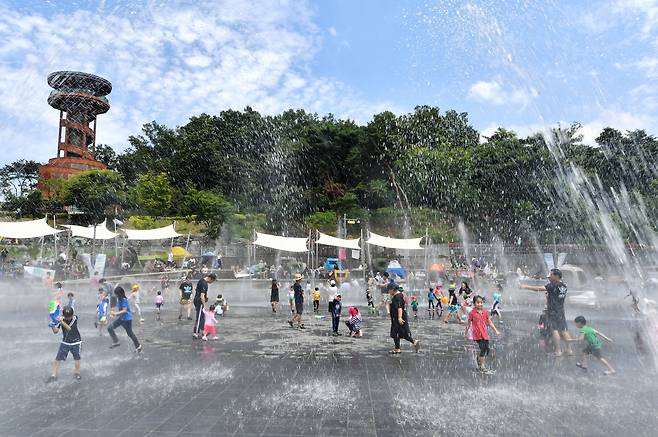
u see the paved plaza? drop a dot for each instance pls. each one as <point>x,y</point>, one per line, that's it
<point>264,378</point>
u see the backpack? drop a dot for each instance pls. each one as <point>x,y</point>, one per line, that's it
<point>331,306</point>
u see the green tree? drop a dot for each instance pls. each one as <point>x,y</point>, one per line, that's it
<point>106,155</point>
<point>18,178</point>
<point>94,193</point>
<point>153,194</point>
<point>208,207</point>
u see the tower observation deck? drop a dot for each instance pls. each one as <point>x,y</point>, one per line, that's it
<point>80,98</point>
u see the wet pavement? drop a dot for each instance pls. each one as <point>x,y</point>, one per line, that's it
<point>264,378</point>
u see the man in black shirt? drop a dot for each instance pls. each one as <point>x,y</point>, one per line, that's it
<point>556,322</point>
<point>299,302</point>
<point>200,299</point>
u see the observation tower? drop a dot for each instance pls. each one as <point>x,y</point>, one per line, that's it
<point>80,98</point>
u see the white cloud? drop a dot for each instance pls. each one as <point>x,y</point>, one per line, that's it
<point>647,8</point>
<point>166,63</point>
<point>609,117</point>
<point>332,31</point>
<point>494,93</point>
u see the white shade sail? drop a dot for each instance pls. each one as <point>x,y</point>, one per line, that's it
<point>29,229</point>
<point>288,244</point>
<point>102,233</point>
<point>395,243</point>
<point>328,240</point>
<point>152,234</point>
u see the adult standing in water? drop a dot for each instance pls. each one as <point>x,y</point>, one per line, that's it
<point>556,322</point>
<point>124,318</point>
<point>274,295</point>
<point>399,320</point>
<point>299,302</point>
<point>200,299</point>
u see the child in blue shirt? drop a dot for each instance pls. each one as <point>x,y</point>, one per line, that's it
<point>335,307</point>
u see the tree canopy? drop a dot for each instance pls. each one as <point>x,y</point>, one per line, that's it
<point>297,167</point>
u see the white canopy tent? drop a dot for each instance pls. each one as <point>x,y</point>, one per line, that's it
<point>328,240</point>
<point>288,244</point>
<point>102,233</point>
<point>152,234</point>
<point>395,243</point>
<point>29,229</point>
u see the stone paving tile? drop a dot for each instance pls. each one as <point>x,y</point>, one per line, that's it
<point>270,380</point>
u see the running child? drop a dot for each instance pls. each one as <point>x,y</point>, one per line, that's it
<point>477,322</point>
<point>124,317</point>
<point>209,327</point>
<point>594,345</point>
<point>316,299</point>
<point>71,342</point>
<point>159,300</point>
<point>453,306</point>
<point>371,303</point>
<point>354,322</point>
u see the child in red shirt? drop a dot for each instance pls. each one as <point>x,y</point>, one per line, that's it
<point>478,319</point>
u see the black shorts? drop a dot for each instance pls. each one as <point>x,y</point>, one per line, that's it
<point>64,350</point>
<point>592,351</point>
<point>484,347</point>
<point>299,307</point>
<point>556,321</point>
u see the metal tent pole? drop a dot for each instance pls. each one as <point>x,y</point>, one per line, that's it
<point>43,240</point>
<point>55,235</point>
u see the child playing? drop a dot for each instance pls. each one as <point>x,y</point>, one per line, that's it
<point>371,303</point>
<point>71,301</point>
<point>438,296</point>
<point>430,302</point>
<point>210,325</point>
<point>453,307</point>
<point>335,308</point>
<point>159,300</point>
<point>71,342</point>
<point>291,300</point>
<point>594,345</point>
<point>354,322</point>
<point>495,309</point>
<point>477,322</point>
<point>414,306</point>
<point>316,300</point>
<point>101,310</point>
<point>135,296</point>
<point>220,305</point>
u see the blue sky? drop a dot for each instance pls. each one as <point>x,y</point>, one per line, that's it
<point>521,65</point>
